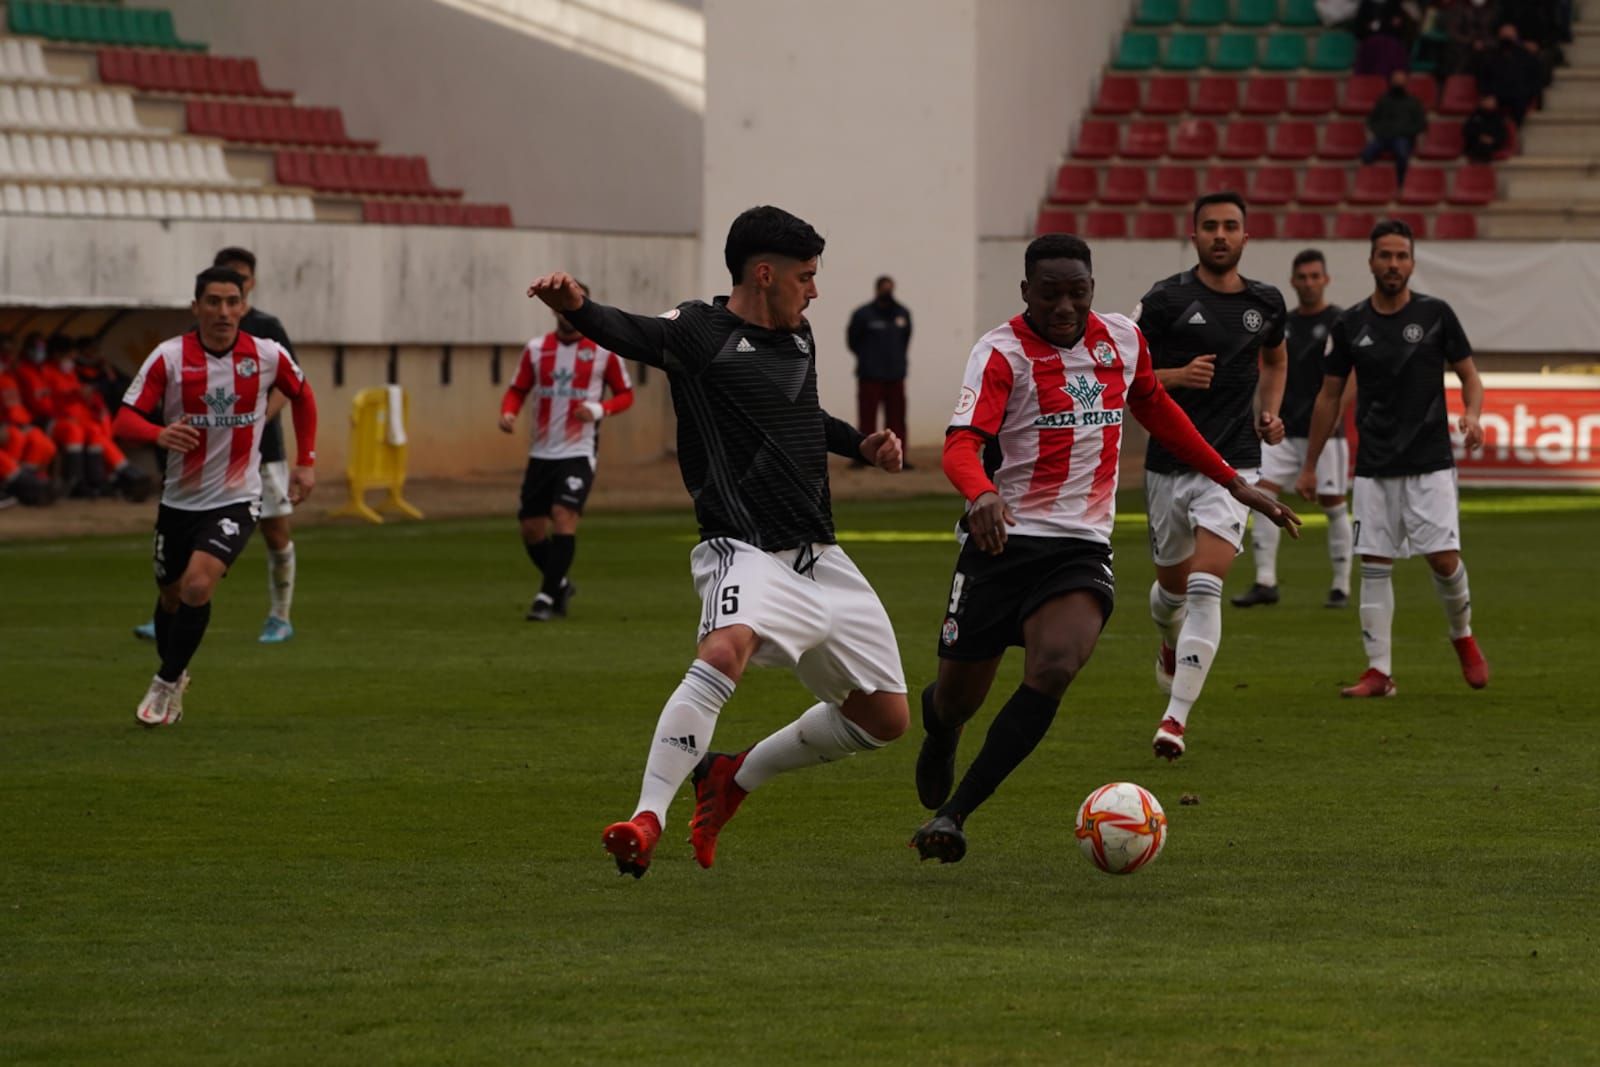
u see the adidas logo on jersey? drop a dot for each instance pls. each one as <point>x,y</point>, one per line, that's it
<point>745,345</point>
<point>686,743</point>
<point>1197,319</point>
<point>1365,342</point>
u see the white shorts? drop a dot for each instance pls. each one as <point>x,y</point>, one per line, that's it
<point>1281,463</point>
<point>1410,515</point>
<point>1179,504</point>
<point>275,490</point>
<point>826,623</point>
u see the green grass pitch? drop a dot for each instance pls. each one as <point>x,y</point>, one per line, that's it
<point>380,843</point>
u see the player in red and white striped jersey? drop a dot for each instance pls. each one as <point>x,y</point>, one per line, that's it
<point>567,375</point>
<point>203,397</point>
<point>1035,446</point>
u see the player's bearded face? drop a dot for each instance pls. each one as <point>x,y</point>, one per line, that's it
<point>1219,237</point>
<point>1392,264</point>
<point>218,312</point>
<point>792,287</point>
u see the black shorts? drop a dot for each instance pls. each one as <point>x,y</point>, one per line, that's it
<point>549,482</point>
<point>992,596</point>
<point>221,532</point>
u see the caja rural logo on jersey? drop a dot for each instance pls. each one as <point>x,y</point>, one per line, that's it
<point>560,386</point>
<point>221,402</point>
<point>1086,395</point>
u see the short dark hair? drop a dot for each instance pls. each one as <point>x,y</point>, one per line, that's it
<point>881,279</point>
<point>213,275</point>
<point>1056,246</point>
<point>1227,196</point>
<point>1391,228</point>
<point>234,254</point>
<point>1310,255</point>
<point>768,230</point>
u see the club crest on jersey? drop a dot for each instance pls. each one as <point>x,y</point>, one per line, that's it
<point>1412,333</point>
<point>1104,354</point>
<point>1253,320</point>
<point>1319,331</point>
<point>246,368</point>
<point>802,344</point>
<point>967,400</point>
<point>951,632</point>
<point>585,355</point>
<point>220,400</point>
<point>1082,390</point>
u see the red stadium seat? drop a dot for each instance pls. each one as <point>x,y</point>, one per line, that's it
<point>1314,94</point>
<point>1175,186</point>
<point>1155,226</point>
<point>1424,187</point>
<point>1124,186</point>
<point>1460,96</point>
<point>1415,219</point>
<point>1342,140</point>
<point>1144,140</point>
<point>1166,94</point>
<point>1076,184</point>
<point>1056,220</point>
<point>1223,179</point>
<point>1375,184</point>
<point>1262,225</point>
<point>1353,225</point>
<point>1323,186</point>
<point>1360,92</point>
<point>1293,140</point>
<point>1106,224</point>
<point>1302,226</point>
<point>1424,88</point>
<point>1265,96</point>
<point>1442,142</point>
<point>1272,186</point>
<point>1194,139</point>
<point>1245,139</point>
<point>1096,140</point>
<point>1118,95</point>
<point>1455,226</point>
<point>1216,94</point>
<point>1472,186</point>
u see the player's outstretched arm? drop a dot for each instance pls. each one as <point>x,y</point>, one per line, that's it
<point>1325,415</point>
<point>639,337</point>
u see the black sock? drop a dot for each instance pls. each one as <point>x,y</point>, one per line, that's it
<point>188,627</point>
<point>1015,732</point>
<point>163,620</point>
<point>539,552</point>
<point>558,561</point>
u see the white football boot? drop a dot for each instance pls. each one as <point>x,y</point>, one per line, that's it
<point>156,707</point>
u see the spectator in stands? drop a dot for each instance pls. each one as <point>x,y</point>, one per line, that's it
<point>1395,123</point>
<point>1538,21</point>
<point>1468,27</point>
<point>1485,133</point>
<point>1512,73</point>
<point>1383,52</point>
<point>880,336</point>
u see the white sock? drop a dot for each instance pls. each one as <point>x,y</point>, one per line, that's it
<point>683,734</point>
<point>1377,614</point>
<point>1341,546</point>
<point>1168,610</point>
<point>280,581</point>
<point>1264,538</point>
<point>1197,644</point>
<point>820,735</point>
<point>1457,601</point>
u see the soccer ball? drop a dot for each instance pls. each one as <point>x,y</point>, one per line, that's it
<point>1121,827</point>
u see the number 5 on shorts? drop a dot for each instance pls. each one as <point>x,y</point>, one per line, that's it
<point>730,600</point>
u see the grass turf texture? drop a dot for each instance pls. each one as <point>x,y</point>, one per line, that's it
<point>380,842</point>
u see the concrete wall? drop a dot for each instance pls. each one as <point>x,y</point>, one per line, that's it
<point>502,106</point>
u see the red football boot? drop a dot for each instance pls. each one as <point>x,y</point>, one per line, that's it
<point>1374,683</point>
<point>632,843</point>
<point>1474,668</point>
<point>1168,741</point>
<point>716,797</point>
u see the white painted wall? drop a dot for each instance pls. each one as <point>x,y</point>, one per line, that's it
<point>1039,63</point>
<point>568,140</point>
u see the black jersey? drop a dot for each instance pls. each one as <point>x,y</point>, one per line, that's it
<point>1306,337</point>
<point>1182,318</point>
<point>258,323</point>
<point>1399,362</point>
<point>753,440</point>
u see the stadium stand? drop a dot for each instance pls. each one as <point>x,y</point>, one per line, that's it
<point>1264,86</point>
<point>157,128</point>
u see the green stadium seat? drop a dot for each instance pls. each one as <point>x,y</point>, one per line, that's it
<point>1235,51</point>
<point>97,23</point>
<point>1156,13</point>
<point>1206,13</point>
<point>1334,51</point>
<point>1285,51</point>
<point>1255,12</point>
<point>1300,13</point>
<point>1139,51</point>
<point>1186,51</point>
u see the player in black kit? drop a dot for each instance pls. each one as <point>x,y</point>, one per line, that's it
<point>1306,337</point>
<point>776,589</point>
<point>1398,343</point>
<point>1210,329</point>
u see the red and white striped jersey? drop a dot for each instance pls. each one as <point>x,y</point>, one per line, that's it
<point>225,398</point>
<point>1057,416</point>
<point>563,379</point>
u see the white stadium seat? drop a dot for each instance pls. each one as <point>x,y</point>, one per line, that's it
<point>106,105</point>
<point>126,119</point>
<point>55,201</point>
<point>178,162</point>
<point>67,110</point>
<point>22,154</point>
<point>12,64</point>
<point>268,207</point>
<point>100,151</point>
<point>139,153</point>
<point>217,164</point>
<point>7,167</point>
<point>76,204</point>
<point>231,208</point>
<point>96,198</point>
<point>249,208</point>
<point>213,206</point>
<point>35,199</point>
<point>10,117</point>
<point>83,159</point>
<point>175,206</point>
<point>14,203</point>
<point>136,205</point>
<point>28,108</point>
<point>49,114</point>
<point>193,206</point>
<point>116,202</point>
